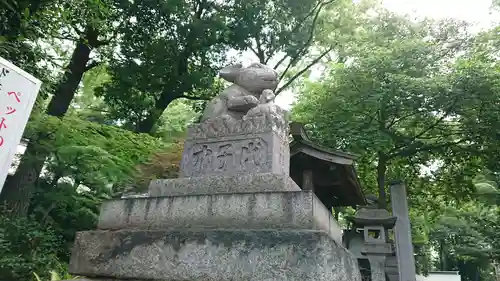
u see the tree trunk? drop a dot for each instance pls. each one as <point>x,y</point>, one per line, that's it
<point>147,125</point>
<point>19,189</point>
<point>18,192</point>
<point>65,92</point>
<point>168,95</point>
<point>381,170</point>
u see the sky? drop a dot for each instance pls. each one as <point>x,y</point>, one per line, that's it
<point>476,12</point>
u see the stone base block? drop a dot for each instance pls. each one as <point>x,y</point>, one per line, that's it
<point>86,279</point>
<point>270,210</point>
<point>228,147</point>
<point>222,184</point>
<point>107,279</point>
<point>216,255</point>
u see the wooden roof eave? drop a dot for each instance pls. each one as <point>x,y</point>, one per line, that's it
<point>314,151</point>
<point>302,144</point>
<point>353,179</point>
<point>347,164</point>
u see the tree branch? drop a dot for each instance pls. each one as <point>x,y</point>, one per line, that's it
<point>193,98</point>
<point>100,110</point>
<point>254,51</point>
<point>414,148</point>
<point>6,3</point>
<point>398,138</point>
<point>296,27</point>
<point>92,65</point>
<point>298,74</point>
<point>281,61</point>
<point>70,38</point>
<point>100,43</point>
<point>424,131</point>
<point>259,52</point>
<point>114,34</point>
<point>432,126</point>
<point>183,61</point>
<point>319,5</point>
<point>396,120</point>
<point>77,29</point>
<point>309,40</point>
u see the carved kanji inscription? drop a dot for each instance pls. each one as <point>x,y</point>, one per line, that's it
<point>225,157</point>
<point>246,155</point>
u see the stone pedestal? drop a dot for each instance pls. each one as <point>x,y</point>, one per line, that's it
<point>212,255</point>
<point>225,147</point>
<point>234,214</point>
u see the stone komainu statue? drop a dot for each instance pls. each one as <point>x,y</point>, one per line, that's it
<point>252,86</point>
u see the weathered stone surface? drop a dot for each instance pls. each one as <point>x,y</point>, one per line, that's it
<point>87,279</point>
<point>370,216</point>
<point>223,127</point>
<point>243,147</point>
<point>250,83</point>
<point>391,268</point>
<point>222,184</point>
<point>100,279</point>
<point>271,210</point>
<point>377,266</point>
<point>212,256</point>
<point>377,249</point>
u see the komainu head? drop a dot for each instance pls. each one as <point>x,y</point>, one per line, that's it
<point>255,78</point>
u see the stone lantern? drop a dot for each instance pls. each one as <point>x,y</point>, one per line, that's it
<point>375,223</point>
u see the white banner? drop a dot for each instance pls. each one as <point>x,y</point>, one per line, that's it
<point>18,92</point>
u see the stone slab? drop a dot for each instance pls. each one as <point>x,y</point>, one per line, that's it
<point>377,248</point>
<point>100,279</point>
<point>221,127</point>
<point>222,184</point>
<point>226,147</point>
<point>270,210</point>
<point>241,154</point>
<point>212,256</point>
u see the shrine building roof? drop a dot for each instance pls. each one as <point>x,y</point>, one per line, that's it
<point>330,173</point>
